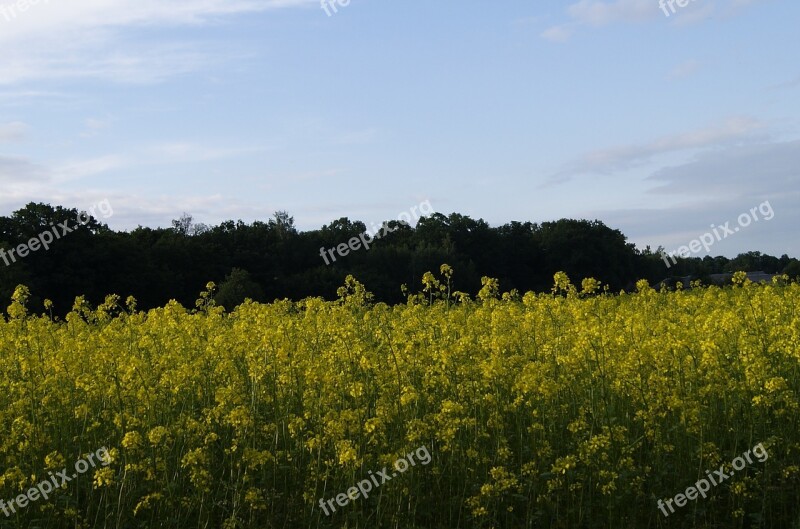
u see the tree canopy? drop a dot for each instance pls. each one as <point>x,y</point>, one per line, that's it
<point>273,260</point>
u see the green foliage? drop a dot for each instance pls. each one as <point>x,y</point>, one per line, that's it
<point>157,265</point>
<point>573,409</point>
<point>237,287</point>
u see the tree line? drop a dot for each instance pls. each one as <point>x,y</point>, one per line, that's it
<point>272,260</point>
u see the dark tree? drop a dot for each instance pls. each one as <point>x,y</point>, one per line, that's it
<point>237,287</point>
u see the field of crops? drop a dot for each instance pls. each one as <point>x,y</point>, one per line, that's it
<point>575,409</point>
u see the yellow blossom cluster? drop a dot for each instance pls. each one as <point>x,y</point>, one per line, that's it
<point>574,408</point>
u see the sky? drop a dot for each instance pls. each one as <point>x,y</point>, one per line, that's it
<point>658,121</point>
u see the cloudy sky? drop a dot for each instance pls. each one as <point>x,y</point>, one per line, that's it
<point>657,125</point>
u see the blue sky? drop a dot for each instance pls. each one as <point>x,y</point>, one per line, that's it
<point>232,109</point>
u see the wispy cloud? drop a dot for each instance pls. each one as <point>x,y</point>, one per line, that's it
<point>77,170</point>
<point>357,137</point>
<point>143,63</point>
<point>738,170</point>
<point>624,157</point>
<point>13,131</point>
<point>17,170</point>
<point>684,69</point>
<point>560,33</point>
<point>697,12</point>
<point>714,186</point>
<point>184,151</point>
<point>597,13</point>
<point>788,84</point>
<point>93,126</point>
<point>86,38</point>
<point>600,13</point>
<point>91,14</point>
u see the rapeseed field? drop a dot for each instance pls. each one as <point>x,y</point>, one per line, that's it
<point>577,408</point>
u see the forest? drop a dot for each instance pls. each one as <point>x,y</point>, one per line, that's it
<point>272,259</point>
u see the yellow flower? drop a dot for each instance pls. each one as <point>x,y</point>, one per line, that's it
<point>132,440</point>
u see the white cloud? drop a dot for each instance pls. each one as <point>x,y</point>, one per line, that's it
<point>85,38</point>
<point>716,186</point>
<point>182,151</point>
<point>785,85</point>
<point>624,157</point>
<point>739,170</point>
<point>142,64</point>
<point>16,170</point>
<point>695,12</point>
<point>13,131</point>
<point>57,18</point>
<point>357,137</point>
<point>560,33</point>
<point>18,97</point>
<point>80,169</point>
<point>94,123</point>
<point>93,127</point>
<point>684,69</point>
<point>34,177</point>
<point>599,13</point>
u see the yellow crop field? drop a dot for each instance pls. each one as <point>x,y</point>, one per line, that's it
<point>574,409</point>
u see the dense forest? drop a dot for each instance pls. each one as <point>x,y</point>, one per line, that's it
<point>273,260</point>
